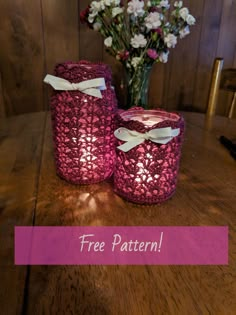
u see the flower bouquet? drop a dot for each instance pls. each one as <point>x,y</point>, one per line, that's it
<point>138,34</point>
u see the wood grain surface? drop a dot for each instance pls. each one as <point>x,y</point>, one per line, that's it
<point>21,56</point>
<point>20,146</point>
<point>179,93</point>
<point>61,32</point>
<point>2,105</point>
<point>90,42</point>
<point>35,35</point>
<point>205,196</point>
<point>207,48</point>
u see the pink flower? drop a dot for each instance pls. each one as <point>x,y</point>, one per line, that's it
<point>123,55</point>
<point>158,31</point>
<point>152,53</point>
<point>153,9</point>
<point>84,17</point>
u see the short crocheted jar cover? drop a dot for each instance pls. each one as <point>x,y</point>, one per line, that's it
<point>83,126</point>
<point>147,174</point>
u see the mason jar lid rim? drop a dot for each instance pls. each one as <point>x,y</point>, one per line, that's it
<point>147,114</point>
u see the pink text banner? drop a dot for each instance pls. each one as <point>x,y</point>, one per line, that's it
<point>121,245</point>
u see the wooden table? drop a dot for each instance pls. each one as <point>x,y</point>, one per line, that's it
<point>32,194</point>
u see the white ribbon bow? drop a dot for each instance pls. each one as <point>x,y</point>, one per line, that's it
<point>134,138</point>
<point>91,87</point>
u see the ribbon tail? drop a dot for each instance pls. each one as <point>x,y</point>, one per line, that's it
<point>163,140</point>
<point>92,87</point>
<point>130,144</point>
<point>93,92</point>
<point>164,135</point>
<point>58,83</point>
<point>126,134</point>
<point>175,132</point>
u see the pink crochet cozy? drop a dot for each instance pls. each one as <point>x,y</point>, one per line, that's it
<point>83,125</point>
<point>147,174</point>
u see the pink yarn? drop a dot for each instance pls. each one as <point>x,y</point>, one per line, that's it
<point>83,126</point>
<point>147,174</point>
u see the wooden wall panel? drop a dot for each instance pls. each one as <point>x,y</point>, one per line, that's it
<point>35,36</point>
<point>226,49</point>
<point>21,55</point>
<point>2,105</point>
<point>118,76</point>
<point>183,64</point>
<point>61,31</point>
<point>227,42</point>
<point>157,81</point>
<point>91,43</point>
<point>210,29</point>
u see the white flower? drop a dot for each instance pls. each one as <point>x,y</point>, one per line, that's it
<point>138,41</point>
<point>102,5</point>
<point>163,57</point>
<point>91,17</point>
<point>108,41</point>
<point>164,4</point>
<point>153,20</point>
<point>128,65</point>
<point>97,26</point>
<point>149,4</point>
<point>173,13</point>
<point>178,4</point>
<point>184,32</point>
<point>135,7</point>
<point>96,6</point>
<point>107,2</point>
<point>170,40</point>
<point>135,61</point>
<point>115,2</point>
<point>190,20</point>
<point>116,11</point>
<point>184,12</point>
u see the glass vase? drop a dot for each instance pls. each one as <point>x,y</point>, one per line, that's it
<point>138,86</point>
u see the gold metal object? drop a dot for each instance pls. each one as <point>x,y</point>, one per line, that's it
<point>215,84</point>
<point>232,106</point>
<point>208,123</point>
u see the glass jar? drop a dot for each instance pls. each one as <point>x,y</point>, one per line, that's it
<point>148,154</point>
<point>83,125</point>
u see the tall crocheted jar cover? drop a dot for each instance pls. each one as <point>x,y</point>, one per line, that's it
<point>147,174</point>
<point>83,125</point>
